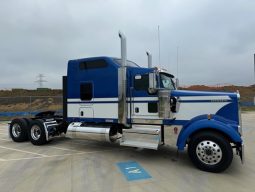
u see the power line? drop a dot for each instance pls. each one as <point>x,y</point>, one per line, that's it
<point>40,80</point>
<point>254,68</point>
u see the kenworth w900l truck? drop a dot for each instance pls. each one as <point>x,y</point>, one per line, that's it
<point>117,101</point>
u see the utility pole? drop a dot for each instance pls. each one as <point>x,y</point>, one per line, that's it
<point>254,78</point>
<point>254,68</point>
<point>40,80</point>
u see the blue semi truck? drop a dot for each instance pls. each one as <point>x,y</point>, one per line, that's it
<point>117,101</point>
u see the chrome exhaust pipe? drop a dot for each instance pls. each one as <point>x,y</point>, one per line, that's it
<point>122,114</point>
<point>149,59</point>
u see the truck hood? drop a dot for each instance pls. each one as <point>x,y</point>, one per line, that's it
<point>223,104</point>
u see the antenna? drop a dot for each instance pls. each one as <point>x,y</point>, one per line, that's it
<point>254,78</point>
<point>159,47</point>
<point>177,61</point>
<point>40,80</point>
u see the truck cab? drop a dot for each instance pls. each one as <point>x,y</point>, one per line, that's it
<point>117,101</point>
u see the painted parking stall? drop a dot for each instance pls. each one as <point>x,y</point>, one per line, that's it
<point>133,171</point>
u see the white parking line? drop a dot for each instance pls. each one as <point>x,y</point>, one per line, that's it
<point>4,139</point>
<point>64,149</point>
<point>23,151</point>
<point>50,156</point>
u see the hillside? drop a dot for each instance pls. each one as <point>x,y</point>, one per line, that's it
<point>21,100</point>
<point>247,92</point>
<point>25,92</point>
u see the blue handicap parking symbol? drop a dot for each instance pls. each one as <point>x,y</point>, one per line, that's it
<point>133,171</point>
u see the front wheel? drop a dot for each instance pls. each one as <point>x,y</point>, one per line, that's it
<point>210,152</point>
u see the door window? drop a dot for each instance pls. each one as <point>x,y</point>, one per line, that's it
<point>86,91</point>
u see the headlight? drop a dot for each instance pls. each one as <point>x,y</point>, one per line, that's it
<point>240,129</point>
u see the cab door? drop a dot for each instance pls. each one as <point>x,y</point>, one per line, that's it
<point>144,105</point>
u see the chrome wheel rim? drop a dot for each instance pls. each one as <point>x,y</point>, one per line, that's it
<point>16,130</point>
<point>209,152</point>
<point>35,132</point>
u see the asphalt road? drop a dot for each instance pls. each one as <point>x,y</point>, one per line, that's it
<point>72,165</point>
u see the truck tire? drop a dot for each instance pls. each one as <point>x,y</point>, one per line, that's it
<point>37,134</point>
<point>210,151</point>
<point>18,130</point>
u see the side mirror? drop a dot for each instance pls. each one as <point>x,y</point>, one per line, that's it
<point>177,84</point>
<point>152,83</point>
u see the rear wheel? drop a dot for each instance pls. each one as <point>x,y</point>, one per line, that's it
<point>210,151</point>
<point>37,133</point>
<point>18,130</point>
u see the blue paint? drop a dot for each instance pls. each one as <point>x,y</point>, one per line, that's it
<point>21,113</point>
<point>205,101</point>
<point>230,112</point>
<point>216,123</point>
<point>187,93</point>
<point>133,171</point>
<point>104,80</point>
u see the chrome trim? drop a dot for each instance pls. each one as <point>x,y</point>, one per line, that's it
<point>78,131</point>
<point>240,129</point>
<point>171,134</point>
<point>149,59</point>
<point>35,132</point>
<point>122,109</point>
<point>16,130</point>
<point>164,103</point>
<point>209,152</point>
<point>46,124</point>
<point>46,131</point>
<point>142,136</point>
<point>147,121</point>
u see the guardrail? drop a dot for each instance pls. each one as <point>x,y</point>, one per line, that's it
<point>27,106</point>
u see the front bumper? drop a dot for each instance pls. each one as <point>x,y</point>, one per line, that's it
<point>240,152</point>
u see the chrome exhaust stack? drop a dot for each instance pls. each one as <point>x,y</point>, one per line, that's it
<point>149,59</point>
<point>122,114</point>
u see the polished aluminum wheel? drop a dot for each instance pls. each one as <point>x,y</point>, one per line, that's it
<point>16,130</point>
<point>35,132</point>
<point>209,152</point>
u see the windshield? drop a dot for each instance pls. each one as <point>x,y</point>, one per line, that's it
<point>129,63</point>
<point>166,81</point>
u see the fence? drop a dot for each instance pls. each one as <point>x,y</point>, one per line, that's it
<point>26,106</point>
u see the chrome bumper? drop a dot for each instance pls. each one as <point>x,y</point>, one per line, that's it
<point>240,152</point>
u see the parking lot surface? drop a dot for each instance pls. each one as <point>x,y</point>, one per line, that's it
<point>76,165</point>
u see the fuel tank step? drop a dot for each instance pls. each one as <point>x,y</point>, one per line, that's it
<point>142,136</point>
